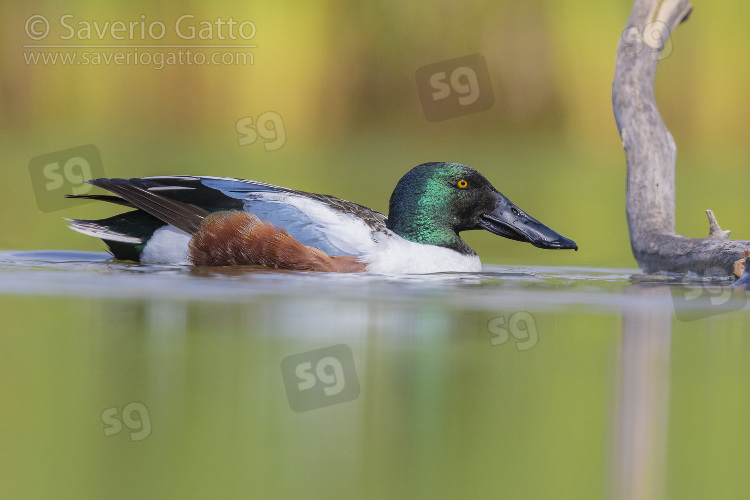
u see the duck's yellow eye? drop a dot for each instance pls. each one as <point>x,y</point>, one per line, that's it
<point>462,184</point>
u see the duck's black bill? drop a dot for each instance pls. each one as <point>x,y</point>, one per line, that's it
<point>511,222</point>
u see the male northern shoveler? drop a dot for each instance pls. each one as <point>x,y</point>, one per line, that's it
<point>217,221</point>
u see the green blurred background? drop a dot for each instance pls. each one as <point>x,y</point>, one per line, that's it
<point>342,77</point>
<point>442,411</point>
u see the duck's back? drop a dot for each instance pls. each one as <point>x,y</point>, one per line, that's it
<point>331,225</point>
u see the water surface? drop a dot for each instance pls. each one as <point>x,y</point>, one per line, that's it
<point>140,381</point>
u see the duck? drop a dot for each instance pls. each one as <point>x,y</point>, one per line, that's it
<point>221,221</point>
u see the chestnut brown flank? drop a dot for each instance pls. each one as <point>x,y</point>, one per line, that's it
<point>233,238</point>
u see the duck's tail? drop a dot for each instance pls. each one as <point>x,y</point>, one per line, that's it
<point>127,234</point>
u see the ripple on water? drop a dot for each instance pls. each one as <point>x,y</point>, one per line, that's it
<point>72,273</point>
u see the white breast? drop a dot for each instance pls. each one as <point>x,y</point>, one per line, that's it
<point>393,254</point>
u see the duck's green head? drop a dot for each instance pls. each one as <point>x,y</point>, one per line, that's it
<point>434,202</point>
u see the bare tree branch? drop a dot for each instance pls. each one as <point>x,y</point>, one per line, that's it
<point>651,153</point>
<point>714,231</point>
